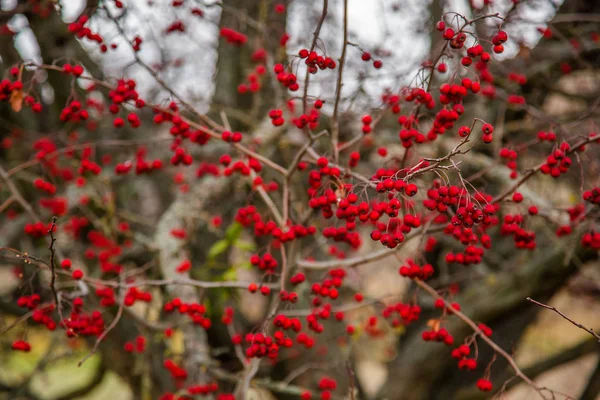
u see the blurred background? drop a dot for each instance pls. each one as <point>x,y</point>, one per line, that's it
<point>554,44</point>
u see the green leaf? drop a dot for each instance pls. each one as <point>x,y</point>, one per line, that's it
<point>230,275</point>
<point>246,246</point>
<point>233,232</point>
<point>245,265</point>
<point>218,248</point>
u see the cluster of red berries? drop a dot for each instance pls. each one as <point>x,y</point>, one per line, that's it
<point>592,196</point>
<point>132,118</point>
<point>441,197</point>
<point>183,266</point>
<point>276,117</point>
<point>286,296</point>
<point>138,346</point>
<point>108,250</point>
<point>473,86</point>
<point>124,92</point>
<point>248,216</point>
<point>439,335</point>
<point>45,186</point>
<point>457,40</point>
<point>178,373</point>
<point>207,169</point>
<point>253,79</point>
<point>57,205</point>
<point>328,287</point>
<point>467,364</point>
<point>106,295</point>
<point>392,233</point>
<point>43,316</point>
<point>452,93</point>
<point>487,130</point>
<point>484,385</point>
<point>37,229</point>
<point>137,43</point>
<point>74,113</point>
<point>315,62</point>
<point>203,390</point>
<point>366,124</point>
<point>546,136</point>
<point>420,96</point>
<point>285,323</point>
<point>7,88</point>
<point>353,159</point>
<point>21,345</point>
<point>134,294</point>
<point>397,185</point>
<point>231,137</point>
<point>410,136</point>
<point>497,40</point>
<point>78,29</point>
<point>311,119</point>
<point>76,70</point>
<point>518,78</point>
<point>486,330</point>
<point>472,254</point>
<point>307,341</point>
<point>407,313</point>
<point>287,80</point>
<point>439,303</point>
<point>470,215</point>
<point>261,345</point>
<point>591,240</point>
<point>413,270</point>
<point>392,101</point>
<point>474,52</point>
<point>515,99</point>
<point>241,168</point>
<point>512,226</point>
<point>366,56</point>
<point>510,156</point>
<point>298,278</point>
<point>30,302</point>
<point>176,26</point>
<point>342,234</point>
<point>89,166</point>
<point>326,385</point>
<point>266,263</point>
<point>227,317</point>
<point>180,156</point>
<point>81,323</point>
<point>557,163</point>
<point>444,121</point>
<point>329,198</point>
<point>461,352</point>
<point>141,165</point>
<point>194,311</point>
<point>234,37</point>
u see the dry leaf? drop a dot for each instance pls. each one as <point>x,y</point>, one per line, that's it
<point>16,100</point>
<point>434,324</point>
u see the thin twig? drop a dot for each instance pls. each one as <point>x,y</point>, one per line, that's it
<point>108,328</point>
<point>577,324</point>
<point>335,124</point>
<point>511,361</point>
<point>53,266</point>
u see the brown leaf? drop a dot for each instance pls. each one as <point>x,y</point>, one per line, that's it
<point>524,52</point>
<point>16,100</point>
<point>434,324</point>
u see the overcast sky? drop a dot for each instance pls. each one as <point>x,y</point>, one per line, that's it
<point>397,26</point>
